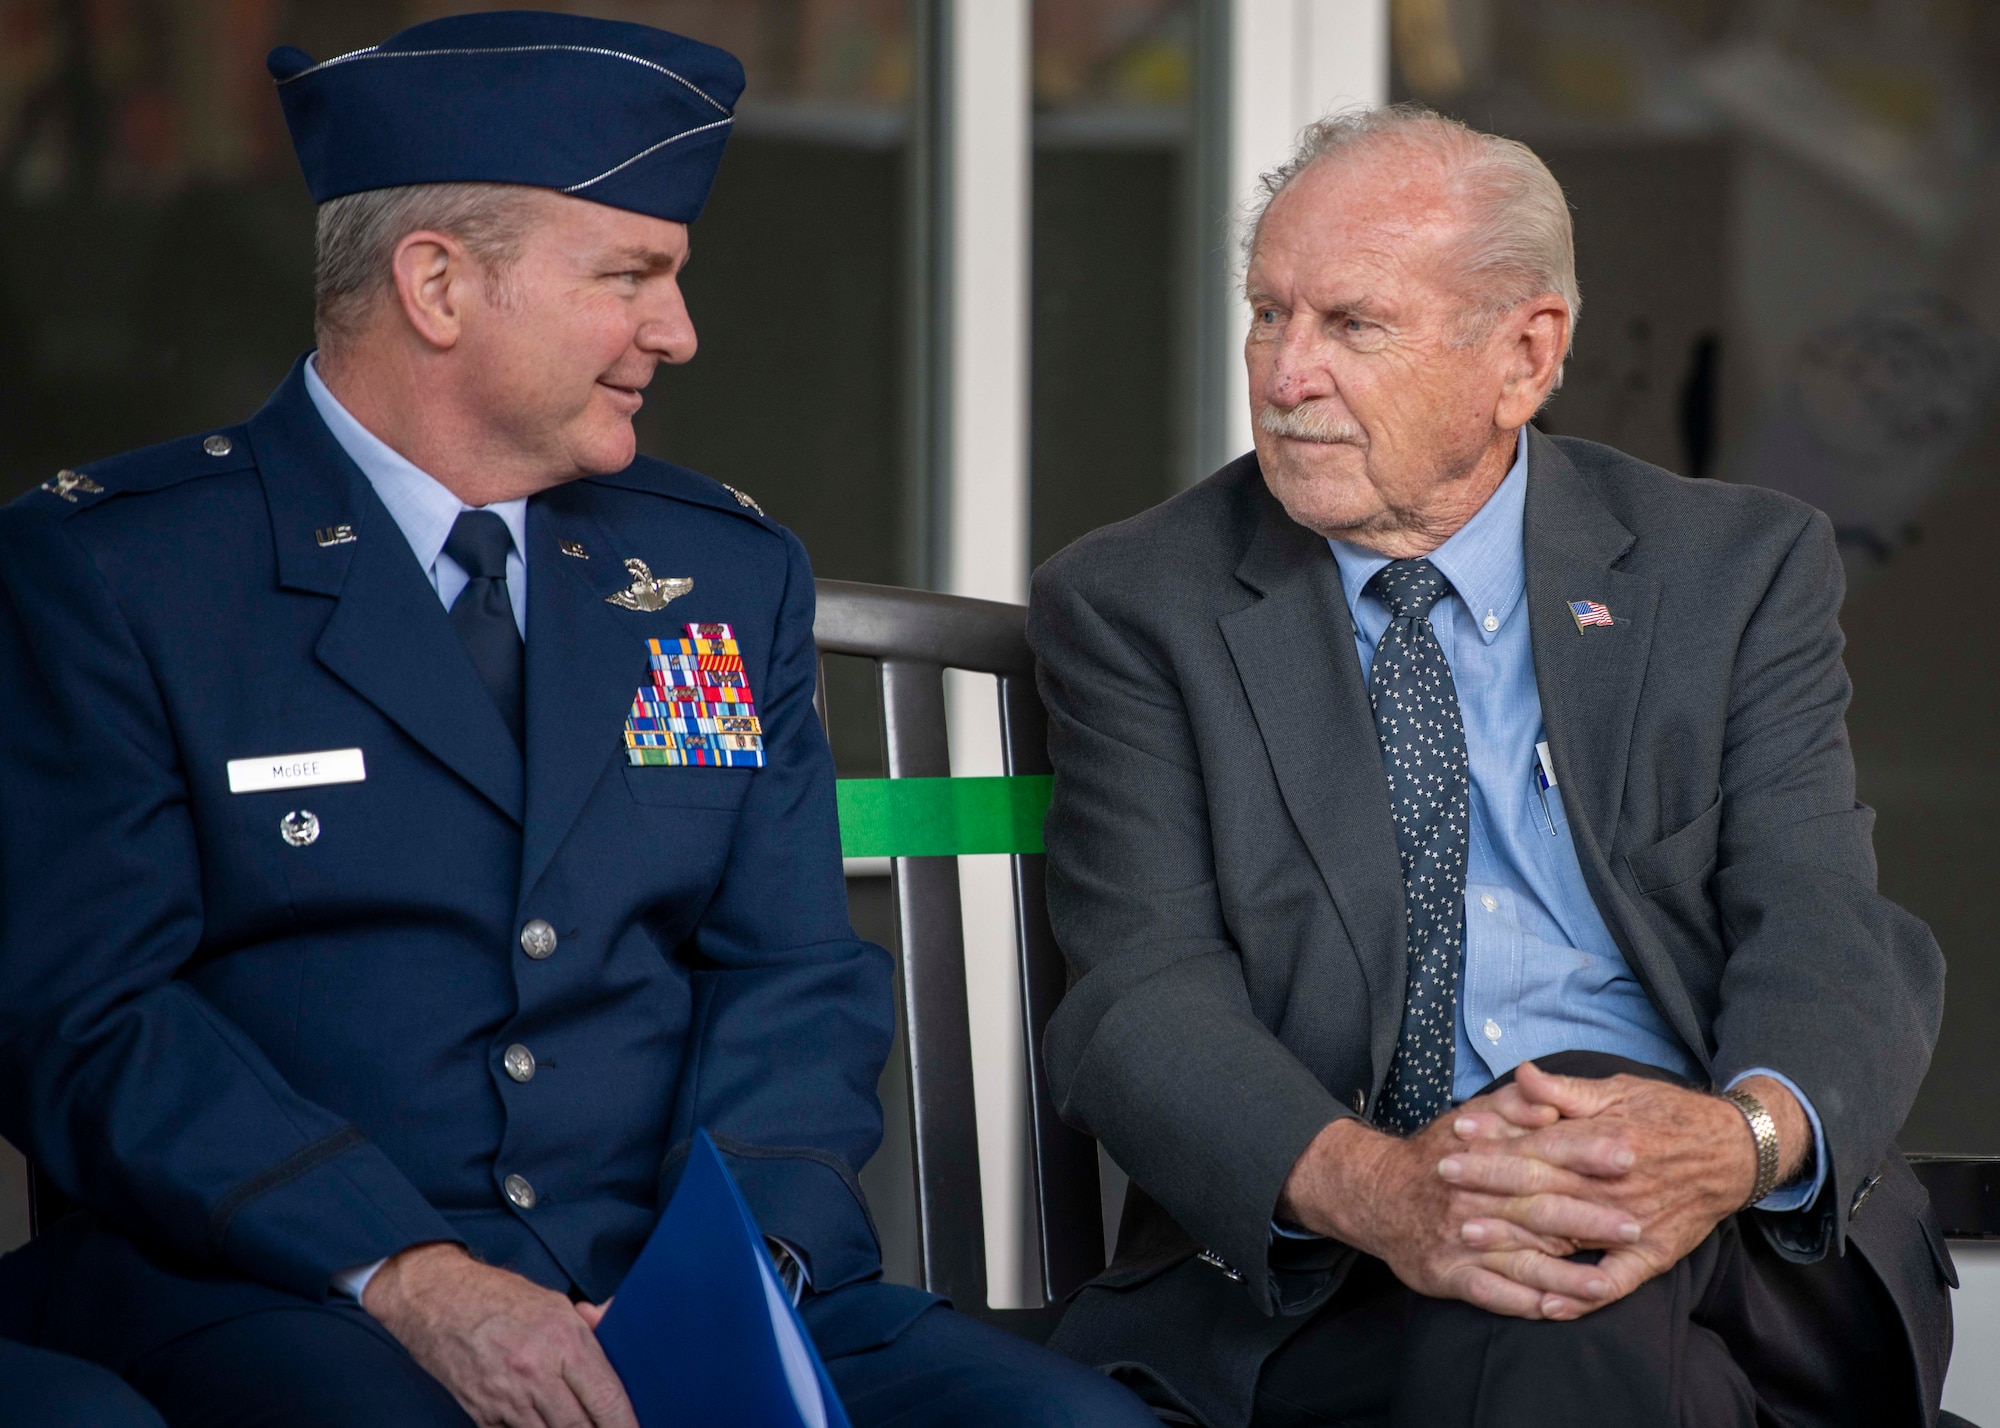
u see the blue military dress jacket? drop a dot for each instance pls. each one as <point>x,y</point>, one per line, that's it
<point>262,1060</point>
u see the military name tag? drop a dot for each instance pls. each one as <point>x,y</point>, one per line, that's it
<point>296,770</point>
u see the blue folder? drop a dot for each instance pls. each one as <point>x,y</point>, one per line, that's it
<point>701,1331</point>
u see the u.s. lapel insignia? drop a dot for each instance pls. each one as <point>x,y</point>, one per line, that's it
<point>1588,612</point>
<point>334,535</point>
<point>573,549</point>
<point>67,483</point>
<point>649,592</point>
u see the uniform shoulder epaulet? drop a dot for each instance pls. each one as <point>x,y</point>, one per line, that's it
<point>150,468</point>
<point>662,478</point>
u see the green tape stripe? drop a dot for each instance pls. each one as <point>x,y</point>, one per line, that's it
<point>939,817</point>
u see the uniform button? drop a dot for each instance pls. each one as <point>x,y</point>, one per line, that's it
<point>519,1061</point>
<point>1489,902</point>
<point>538,939</point>
<point>1492,1029</point>
<point>218,446</point>
<point>520,1192</point>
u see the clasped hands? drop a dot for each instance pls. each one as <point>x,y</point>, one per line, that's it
<point>1487,1203</point>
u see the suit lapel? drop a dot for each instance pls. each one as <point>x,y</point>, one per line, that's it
<point>586,659</point>
<point>1589,677</point>
<point>1590,680</point>
<point>388,638</point>
<point>1294,652</point>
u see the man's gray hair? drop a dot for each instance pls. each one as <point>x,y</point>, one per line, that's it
<point>358,234</point>
<point>1517,242</point>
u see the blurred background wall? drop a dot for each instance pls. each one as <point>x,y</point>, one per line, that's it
<point>964,293</point>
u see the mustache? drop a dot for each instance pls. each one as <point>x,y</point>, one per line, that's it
<point>1313,420</point>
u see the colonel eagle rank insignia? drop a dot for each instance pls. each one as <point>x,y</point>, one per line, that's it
<point>647,591</point>
<point>67,483</point>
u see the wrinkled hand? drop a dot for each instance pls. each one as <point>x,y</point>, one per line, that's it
<point>1384,1195</point>
<point>1669,1163</point>
<point>513,1354</point>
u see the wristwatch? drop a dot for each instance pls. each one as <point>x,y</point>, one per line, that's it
<point>1765,1131</point>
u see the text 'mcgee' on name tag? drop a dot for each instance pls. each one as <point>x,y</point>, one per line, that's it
<point>296,770</point>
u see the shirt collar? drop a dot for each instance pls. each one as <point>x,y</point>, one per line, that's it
<point>1484,560</point>
<point>423,508</point>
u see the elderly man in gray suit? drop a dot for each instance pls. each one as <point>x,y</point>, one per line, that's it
<point>1479,964</point>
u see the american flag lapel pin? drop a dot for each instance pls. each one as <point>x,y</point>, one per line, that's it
<point>1588,612</point>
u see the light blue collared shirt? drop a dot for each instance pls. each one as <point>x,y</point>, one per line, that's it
<point>1541,971</point>
<point>421,507</point>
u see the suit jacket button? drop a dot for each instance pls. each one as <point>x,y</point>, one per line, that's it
<point>519,1061</point>
<point>1360,1103</point>
<point>538,939</point>
<point>520,1192</point>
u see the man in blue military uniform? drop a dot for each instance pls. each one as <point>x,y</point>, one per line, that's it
<point>416,822</point>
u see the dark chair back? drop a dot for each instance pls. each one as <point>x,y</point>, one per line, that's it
<point>913,637</point>
<point>1964,1191</point>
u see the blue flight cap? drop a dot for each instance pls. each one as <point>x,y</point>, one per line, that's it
<point>621,114</point>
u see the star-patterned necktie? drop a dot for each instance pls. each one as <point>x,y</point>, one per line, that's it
<point>1422,734</point>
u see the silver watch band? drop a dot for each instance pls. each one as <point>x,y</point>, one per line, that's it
<point>1764,1131</point>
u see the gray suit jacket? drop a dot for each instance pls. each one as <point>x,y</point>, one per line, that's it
<point>1223,873</point>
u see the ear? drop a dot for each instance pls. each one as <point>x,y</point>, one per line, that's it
<point>1536,338</point>
<point>435,278</point>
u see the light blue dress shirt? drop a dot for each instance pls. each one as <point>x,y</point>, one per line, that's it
<point>421,507</point>
<point>1541,972</point>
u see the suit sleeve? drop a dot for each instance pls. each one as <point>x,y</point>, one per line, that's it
<point>1157,1050</point>
<point>793,1012</point>
<point>1826,980</point>
<point>133,1092</point>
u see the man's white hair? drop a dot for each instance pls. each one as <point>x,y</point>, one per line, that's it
<point>1516,242</point>
<point>358,234</point>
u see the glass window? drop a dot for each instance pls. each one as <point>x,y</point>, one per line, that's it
<point>1113,374</point>
<point>156,243</point>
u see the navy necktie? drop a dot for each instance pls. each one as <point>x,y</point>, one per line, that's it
<point>483,613</point>
<point>1423,752</point>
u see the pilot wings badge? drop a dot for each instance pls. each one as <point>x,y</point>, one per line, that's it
<point>647,591</point>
